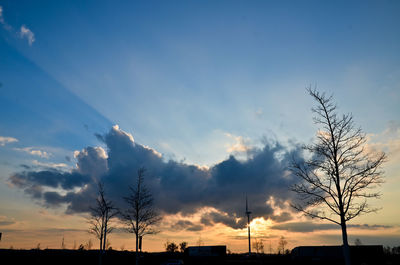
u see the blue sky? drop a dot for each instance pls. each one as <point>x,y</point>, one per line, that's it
<point>192,79</point>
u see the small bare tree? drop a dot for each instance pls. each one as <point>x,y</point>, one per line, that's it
<point>140,215</point>
<point>183,246</point>
<point>282,244</point>
<point>171,247</point>
<point>340,174</point>
<point>100,218</point>
<point>63,244</point>
<point>258,245</point>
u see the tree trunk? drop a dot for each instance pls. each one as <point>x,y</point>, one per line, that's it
<point>105,237</point>
<point>346,248</point>
<point>100,249</point>
<point>137,248</point>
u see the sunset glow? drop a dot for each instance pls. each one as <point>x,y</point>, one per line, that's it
<point>208,96</point>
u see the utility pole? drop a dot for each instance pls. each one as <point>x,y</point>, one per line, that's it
<point>248,225</point>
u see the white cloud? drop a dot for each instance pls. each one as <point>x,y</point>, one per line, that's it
<point>1,15</point>
<point>36,152</point>
<point>24,31</point>
<point>51,165</point>
<point>387,141</point>
<point>259,112</point>
<point>6,140</point>
<point>28,34</point>
<point>3,22</point>
<point>238,146</point>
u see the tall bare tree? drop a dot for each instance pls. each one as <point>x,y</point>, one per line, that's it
<point>100,218</point>
<point>341,173</point>
<point>140,215</point>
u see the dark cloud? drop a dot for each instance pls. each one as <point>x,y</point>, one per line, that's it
<point>311,227</point>
<point>49,178</point>
<point>92,161</point>
<point>187,225</point>
<point>304,227</point>
<point>26,167</point>
<point>195,228</point>
<point>367,226</point>
<point>176,186</point>
<point>283,217</point>
<point>5,223</point>
<point>233,221</point>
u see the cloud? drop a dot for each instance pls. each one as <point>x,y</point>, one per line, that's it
<point>239,145</point>
<point>4,221</point>
<point>368,227</point>
<point>306,227</point>
<point>229,220</point>
<point>91,161</point>
<point>177,187</point>
<point>49,165</point>
<point>49,178</point>
<point>2,21</point>
<point>259,113</point>
<point>6,140</point>
<point>35,152</point>
<point>187,225</point>
<point>25,32</point>
<point>1,15</point>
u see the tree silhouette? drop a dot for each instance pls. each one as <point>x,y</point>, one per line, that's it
<point>282,244</point>
<point>140,215</point>
<point>171,247</point>
<point>357,242</point>
<point>100,218</point>
<point>340,174</point>
<point>258,245</point>
<point>183,246</point>
<point>63,246</point>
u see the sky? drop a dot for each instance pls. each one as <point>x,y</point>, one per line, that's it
<point>209,96</point>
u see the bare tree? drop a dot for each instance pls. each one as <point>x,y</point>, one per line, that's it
<point>63,244</point>
<point>171,247</point>
<point>258,245</point>
<point>282,244</point>
<point>140,216</point>
<point>100,218</point>
<point>357,242</point>
<point>183,246</point>
<point>88,244</point>
<point>340,174</point>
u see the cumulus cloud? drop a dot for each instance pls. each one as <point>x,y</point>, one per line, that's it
<point>177,187</point>
<point>34,151</point>
<point>25,32</point>
<point>239,145</point>
<point>6,140</point>
<point>91,161</point>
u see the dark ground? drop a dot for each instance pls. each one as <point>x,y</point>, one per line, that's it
<point>84,257</point>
